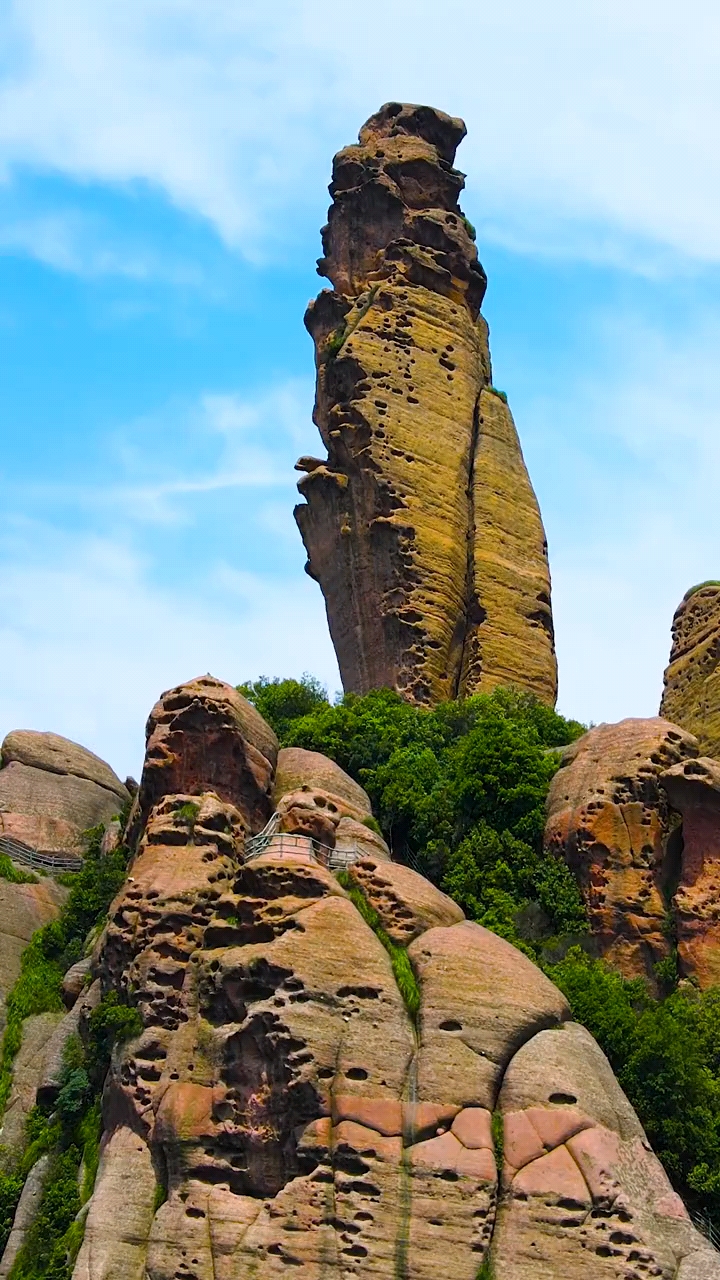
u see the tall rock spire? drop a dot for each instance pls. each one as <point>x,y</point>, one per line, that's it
<point>421,525</point>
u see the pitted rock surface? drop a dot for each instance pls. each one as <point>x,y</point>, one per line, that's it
<point>583,1193</point>
<point>204,736</point>
<point>693,789</point>
<point>287,1112</point>
<point>421,524</point>
<point>406,902</point>
<point>298,769</point>
<point>691,695</point>
<point>609,817</point>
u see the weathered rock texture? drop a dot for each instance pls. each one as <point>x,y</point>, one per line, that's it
<point>289,1113</point>
<point>204,736</point>
<point>609,817</point>
<point>23,909</point>
<point>51,790</point>
<point>421,525</point>
<point>692,679</point>
<point>693,789</point>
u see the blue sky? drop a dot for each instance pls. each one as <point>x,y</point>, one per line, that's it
<point>163,172</point>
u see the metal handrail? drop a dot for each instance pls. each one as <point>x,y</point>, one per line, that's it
<point>706,1226</point>
<point>283,840</point>
<point>44,860</point>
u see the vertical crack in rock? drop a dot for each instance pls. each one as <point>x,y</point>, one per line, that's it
<point>420,524</point>
<point>474,614</point>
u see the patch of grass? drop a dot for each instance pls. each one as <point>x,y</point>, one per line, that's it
<point>402,969</point>
<point>337,340</point>
<point>8,871</point>
<point>57,945</point>
<point>486,1271</point>
<point>11,1184</point>
<point>469,227</point>
<point>372,824</point>
<point>501,395</point>
<point>498,1137</point>
<point>160,1197</point>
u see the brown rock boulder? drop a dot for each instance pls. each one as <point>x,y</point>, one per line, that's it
<point>609,818</point>
<point>298,769</point>
<point>53,754</point>
<point>51,790</point>
<point>421,525</point>
<point>204,736</point>
<point>583,1193</point>
<point>691,696</point>
<point>481,998</point>
<point>693,789</point>
<point>406,902</point>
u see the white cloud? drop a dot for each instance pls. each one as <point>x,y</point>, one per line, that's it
<point>89,642</point>
<point>628,487</point>
<point>591,126</point>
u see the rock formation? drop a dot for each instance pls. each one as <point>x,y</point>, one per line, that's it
<point>693,789</point>
<point>691,696</point>
<point>421,525</point>
<point>51,790</point>
<point>609,817</point>
<point>284,1108</point>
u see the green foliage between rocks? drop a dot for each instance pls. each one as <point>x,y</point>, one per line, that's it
<point>501,395</point>
<point>58,945</point>
<point>282,702</point>
<point>458,790</point>
<point>666,1055</point>
<point>402,969</point>
<point>8,871</point>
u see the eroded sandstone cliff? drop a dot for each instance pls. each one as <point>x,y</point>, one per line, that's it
<point>691,695</point>
<point>421,524</point>
<point>288,1107</point>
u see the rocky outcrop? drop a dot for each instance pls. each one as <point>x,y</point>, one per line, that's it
<point>609,817</point>
<point>693,789</point>
<point>204,736</point>
<point>691,696</point>
<point>51,790</point>
<point>583,1194</point>
<point>283,1108</point>
<point>421,524</point>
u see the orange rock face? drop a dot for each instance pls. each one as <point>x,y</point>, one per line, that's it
<point>611,821</point>
<point>421,525</point>
<point>693,789</point>
<point>284,1110</point>
<point>692,679</point>
<point>204,736</point>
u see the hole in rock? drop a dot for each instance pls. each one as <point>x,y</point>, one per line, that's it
<point>563,1099</point>
<point>451,1025</point>
<point>356,1073</point>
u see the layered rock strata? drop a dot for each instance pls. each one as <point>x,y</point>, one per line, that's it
<point>691,695</point>
<point>610,819</point>
<point>421,524</point>
<point>282,1109</point>
<point>52,789</point>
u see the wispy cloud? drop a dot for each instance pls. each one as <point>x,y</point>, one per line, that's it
<point>592,127</point>
<point>89,640</point>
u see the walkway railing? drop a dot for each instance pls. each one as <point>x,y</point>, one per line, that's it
<point>283,842</point>
<point>42,860</point>
<point>705,1224</point>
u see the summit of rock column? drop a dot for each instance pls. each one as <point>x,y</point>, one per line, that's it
<point>691,696</point>
<point>421,524</point>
